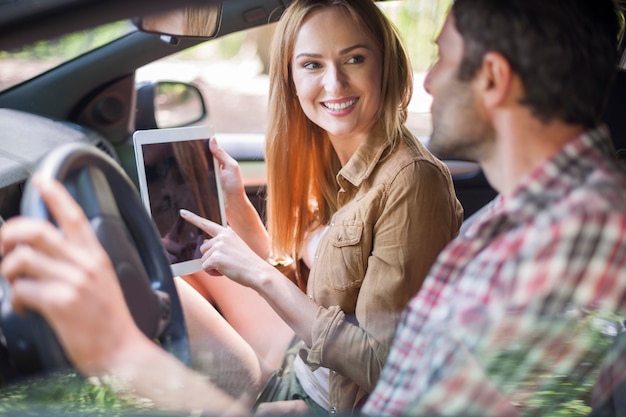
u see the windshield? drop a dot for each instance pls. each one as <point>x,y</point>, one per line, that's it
<point>19,65</point>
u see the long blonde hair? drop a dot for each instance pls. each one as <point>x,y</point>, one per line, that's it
<point>302,165</point>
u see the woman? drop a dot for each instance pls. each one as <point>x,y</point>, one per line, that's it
<point>352,196</point>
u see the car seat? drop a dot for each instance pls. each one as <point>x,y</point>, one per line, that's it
<point>614,375</point>
<point>610,393</point>
<point>615,113</point>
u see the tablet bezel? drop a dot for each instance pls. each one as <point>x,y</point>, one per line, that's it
<point>169,135</point>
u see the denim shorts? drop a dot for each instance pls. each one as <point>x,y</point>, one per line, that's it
<point>283,385</point>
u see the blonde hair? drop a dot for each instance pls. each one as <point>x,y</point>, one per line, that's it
<point>201,20</point>
<point>192,161</point>
<point>302,165</point>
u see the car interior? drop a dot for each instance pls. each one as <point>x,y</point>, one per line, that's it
<point>74,122</point>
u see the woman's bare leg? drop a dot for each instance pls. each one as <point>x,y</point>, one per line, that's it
<point>250,315</point>
<point>217,350</point>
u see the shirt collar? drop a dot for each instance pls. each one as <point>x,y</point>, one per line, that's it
<point>548,182</point>
<point>366,157</point>
<point>562,172</point>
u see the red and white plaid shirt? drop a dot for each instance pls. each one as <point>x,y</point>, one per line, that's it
<point>519,311</point>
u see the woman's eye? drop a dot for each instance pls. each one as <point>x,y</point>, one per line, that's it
<point>311,65</point>
<point>356,59</point>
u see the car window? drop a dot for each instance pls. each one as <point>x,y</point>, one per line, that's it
<point>232,71</point>
<point>19,65</point>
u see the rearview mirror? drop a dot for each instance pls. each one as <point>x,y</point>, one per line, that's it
<point>195,20</point>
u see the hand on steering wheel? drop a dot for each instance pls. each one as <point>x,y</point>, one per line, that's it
<point>105,251</point>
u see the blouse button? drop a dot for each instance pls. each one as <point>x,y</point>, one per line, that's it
<point>339,237</point>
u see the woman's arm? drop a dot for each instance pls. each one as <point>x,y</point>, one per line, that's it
<point>241,214</point>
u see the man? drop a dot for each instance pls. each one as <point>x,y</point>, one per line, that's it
<point>507,323</point>
<point>510,310</point>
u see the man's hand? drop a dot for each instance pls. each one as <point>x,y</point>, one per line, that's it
<point>65,275</point>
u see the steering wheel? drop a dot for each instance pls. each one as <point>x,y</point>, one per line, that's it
<point>125,230</point>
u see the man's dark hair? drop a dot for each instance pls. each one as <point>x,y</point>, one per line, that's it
<point>565,51</point>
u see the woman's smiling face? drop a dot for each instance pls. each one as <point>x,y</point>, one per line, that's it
<point>337,73</point>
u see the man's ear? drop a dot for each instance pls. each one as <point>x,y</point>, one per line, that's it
<point>495,80</point>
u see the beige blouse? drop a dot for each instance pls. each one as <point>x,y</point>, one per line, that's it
<point>398,210</point>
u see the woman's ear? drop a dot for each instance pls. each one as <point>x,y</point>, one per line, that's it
<point>495,80</point>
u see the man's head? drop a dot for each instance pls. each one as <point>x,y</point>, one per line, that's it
<point>564,52</point>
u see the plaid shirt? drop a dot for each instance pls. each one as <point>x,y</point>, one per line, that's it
<point>519,311</point>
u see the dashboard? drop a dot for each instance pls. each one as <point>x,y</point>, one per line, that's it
<point>24,139</point>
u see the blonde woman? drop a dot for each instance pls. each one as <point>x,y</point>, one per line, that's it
<point>360,205</point>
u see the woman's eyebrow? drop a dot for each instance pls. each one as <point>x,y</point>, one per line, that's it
<point>342,52</point>
<point>352,48</point>
<point>308,55</point>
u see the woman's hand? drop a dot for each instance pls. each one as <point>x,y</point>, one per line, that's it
<point>230,173</point>
<point>66,276</point>
<point>227,254</point>
<point>240,213</point>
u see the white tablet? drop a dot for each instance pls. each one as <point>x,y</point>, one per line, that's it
<point>177,170</point>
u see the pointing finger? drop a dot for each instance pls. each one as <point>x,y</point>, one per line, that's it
<point>211,228</point>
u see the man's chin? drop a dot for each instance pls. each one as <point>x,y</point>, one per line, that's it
<point>448,149</point>
<point>442,149</point>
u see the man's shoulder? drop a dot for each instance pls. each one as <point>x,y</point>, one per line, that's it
<point>601,192</point>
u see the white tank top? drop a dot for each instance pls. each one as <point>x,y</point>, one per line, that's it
<point>315,383</point>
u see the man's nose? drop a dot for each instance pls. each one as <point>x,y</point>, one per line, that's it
<point>427,81</point>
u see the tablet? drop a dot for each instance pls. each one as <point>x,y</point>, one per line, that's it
<point>176,170</point>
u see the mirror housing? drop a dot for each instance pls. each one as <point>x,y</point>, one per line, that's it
<point>166,104</point>
<point>195,20</point>
<point>240,14</point>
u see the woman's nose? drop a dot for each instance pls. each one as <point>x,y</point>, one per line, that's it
<point>335,80</point>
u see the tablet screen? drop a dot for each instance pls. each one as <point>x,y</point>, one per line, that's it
<point>179,173</point>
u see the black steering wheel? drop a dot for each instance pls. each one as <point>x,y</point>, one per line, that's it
<point>125,230</point>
